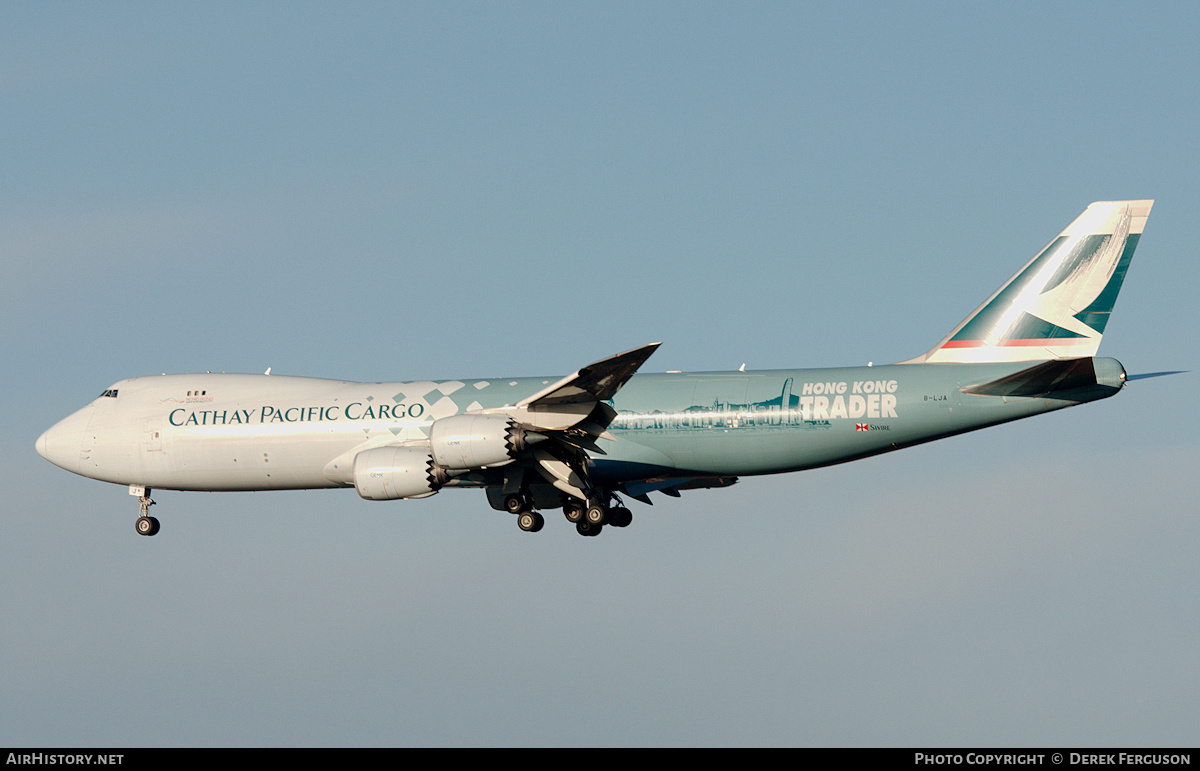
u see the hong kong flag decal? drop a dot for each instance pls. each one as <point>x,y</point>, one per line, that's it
<point>861,427</point>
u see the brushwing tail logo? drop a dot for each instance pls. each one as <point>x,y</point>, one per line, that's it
<point>1088,273</point>
<point>1057,306</point>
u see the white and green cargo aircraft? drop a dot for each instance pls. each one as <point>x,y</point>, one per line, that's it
<point>585,442</point>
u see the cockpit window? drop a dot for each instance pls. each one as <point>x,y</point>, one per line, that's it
<point>110,392</point>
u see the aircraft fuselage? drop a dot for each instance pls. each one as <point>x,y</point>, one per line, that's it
<point>271,432</point>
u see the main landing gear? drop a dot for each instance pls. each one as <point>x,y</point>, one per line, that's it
<point>530,521</point>
<point>589,518</point>
<point>527,519</point>
<point>146,524</point>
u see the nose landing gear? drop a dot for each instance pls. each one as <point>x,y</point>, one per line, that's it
<point>146,524</point>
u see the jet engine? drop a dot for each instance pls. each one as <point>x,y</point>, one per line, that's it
<point>475,441</point>
<point>387,473</point>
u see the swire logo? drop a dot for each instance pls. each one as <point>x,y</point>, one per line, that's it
<point>869,427</point>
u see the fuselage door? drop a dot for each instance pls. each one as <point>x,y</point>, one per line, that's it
<point>152,436</point>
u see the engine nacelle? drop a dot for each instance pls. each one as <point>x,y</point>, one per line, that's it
<point>474,441</point>
<point>387,473</point>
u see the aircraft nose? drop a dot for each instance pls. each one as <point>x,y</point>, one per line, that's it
<point>61,443</point>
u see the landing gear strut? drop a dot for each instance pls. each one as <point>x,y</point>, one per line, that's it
<point>146,524</point>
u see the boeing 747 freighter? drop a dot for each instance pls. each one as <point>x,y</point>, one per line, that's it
<point>586,442</point>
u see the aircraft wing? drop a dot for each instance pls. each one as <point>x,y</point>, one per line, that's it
<point>572,414</point>
<point>566,403</point>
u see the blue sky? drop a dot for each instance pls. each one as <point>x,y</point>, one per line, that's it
<point>396,191</point>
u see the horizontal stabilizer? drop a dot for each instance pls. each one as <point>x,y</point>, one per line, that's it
<point>1053,377</point>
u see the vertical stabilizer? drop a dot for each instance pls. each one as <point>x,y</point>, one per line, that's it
<point>1057,306</point>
